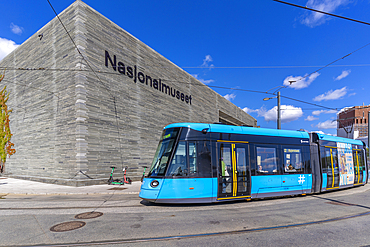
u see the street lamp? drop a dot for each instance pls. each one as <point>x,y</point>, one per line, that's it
<point>278,109</point>
<point>278,100</point>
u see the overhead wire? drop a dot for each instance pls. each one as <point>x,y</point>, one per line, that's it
<point>313,104</point>
<point>239,89</point>
<point>78,50</point>
<point>33,87</point>
<point>214,67</point>
<point>177,81</point>
<point>331,63</point>
<point>326,13</point>
<point>322,12</point>
<point>282,96</point>
<point>301,78</point>
<point>273,66</point>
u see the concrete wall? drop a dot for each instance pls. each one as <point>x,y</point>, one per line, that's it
<point>69,121</point>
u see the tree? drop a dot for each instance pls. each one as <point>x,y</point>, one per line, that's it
<point>6,146</point>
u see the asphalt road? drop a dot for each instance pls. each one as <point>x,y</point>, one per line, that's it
<point>331,219</point>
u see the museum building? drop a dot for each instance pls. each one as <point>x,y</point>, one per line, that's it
<point>77,112</point>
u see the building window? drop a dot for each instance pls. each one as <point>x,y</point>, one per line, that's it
<point>356,121</point>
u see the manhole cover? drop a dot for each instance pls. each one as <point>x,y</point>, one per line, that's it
<point>67,226</point>
<point>340,203</point>
<point>88,215</point>
<point>117,188</point>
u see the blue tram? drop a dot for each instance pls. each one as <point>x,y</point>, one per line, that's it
<point>199,163</point>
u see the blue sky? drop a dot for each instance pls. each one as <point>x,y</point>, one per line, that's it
<point>250,44</point>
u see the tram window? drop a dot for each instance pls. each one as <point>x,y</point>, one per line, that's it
<point>329,155</point>
<point>335,160</point>
<point>358,162</point>
<point>199,159</point>
<point>178,166</point>
<point>293,160</point>
<point>361,161</point>
<point>325,159</point>
<point>225,160</point>
<point>193,157</point>
<point>241,161</point>
<point>204,159</point>
<point>266,160</point>
<point>164,150</point>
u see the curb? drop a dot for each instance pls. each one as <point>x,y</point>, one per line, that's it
<point>68,193</point>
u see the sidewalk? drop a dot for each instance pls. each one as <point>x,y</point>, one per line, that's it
<point>12,186</point>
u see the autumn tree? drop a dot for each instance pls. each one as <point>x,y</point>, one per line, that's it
<point>6,146</point>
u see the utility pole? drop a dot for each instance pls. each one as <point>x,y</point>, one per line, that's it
<point>278,111</point>
<point>278,104</point>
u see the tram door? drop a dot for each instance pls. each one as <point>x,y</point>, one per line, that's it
<point>357,159</point>
<point>234,172</point>
<point>332,168</point>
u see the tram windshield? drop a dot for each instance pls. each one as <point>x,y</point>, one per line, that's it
<point>163,152</point>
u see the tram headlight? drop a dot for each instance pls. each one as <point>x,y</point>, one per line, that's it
<point>154,183</point>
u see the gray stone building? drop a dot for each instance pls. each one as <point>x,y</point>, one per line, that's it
<point>76,112</point>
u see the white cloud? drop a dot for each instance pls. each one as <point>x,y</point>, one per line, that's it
<point>206,81</point>
<point>230,96</point>
<point>288,113</point>
<point>331,111</point>
<point>196,76</point>
<point>332,95</point>
<point>344,74</point>
<point>16,29</point>
<point>299,82</point>
<point>248,110</point>
<point>6,47</point>
<point>311,118</point>
<point>318,112</point>
<point>314,18</point>
<point>328,124</point>
<point>206,61</point>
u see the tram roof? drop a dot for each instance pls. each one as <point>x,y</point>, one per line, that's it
<point>222,128</point>
<point>339,139</point>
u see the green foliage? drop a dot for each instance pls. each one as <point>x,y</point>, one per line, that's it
<point>6,146</point>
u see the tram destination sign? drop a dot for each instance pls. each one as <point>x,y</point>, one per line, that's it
<point>138,76</point>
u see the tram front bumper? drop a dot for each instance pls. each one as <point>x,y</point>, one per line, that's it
<point>148,192</point>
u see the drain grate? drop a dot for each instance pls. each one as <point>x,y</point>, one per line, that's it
<point>67,226</point>
<point>88,215</point>
<point>341,203</point>
<point>117,188</point>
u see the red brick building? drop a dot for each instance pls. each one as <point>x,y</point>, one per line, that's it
<point>353,122</point>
